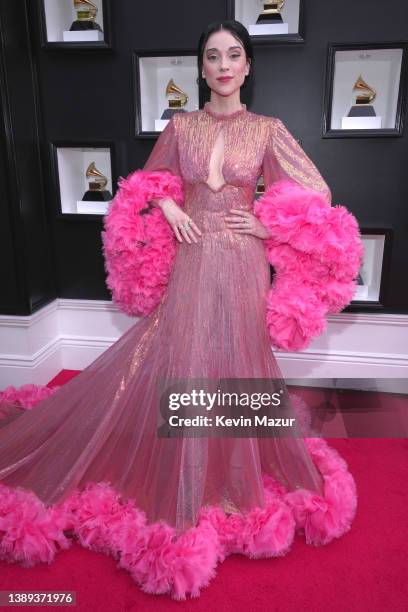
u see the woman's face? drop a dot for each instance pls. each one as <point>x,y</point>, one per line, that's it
<point>224,56</point>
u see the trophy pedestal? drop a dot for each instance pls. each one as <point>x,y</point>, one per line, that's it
<point>92,208</point>
<point>362,110</point>
<point>84,25</point>
<point>169,112</point>
<point>82,35</point>
<point>361,123</point>
<point>265,29</point>
<point>96,195</point>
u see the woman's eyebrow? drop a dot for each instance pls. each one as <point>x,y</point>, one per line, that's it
<point>215,48</point>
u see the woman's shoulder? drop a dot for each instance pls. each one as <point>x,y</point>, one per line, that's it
<point>263,118</point>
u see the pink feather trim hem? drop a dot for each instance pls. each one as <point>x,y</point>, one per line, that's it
<point>159,560</point>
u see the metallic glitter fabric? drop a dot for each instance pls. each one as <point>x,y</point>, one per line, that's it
<point>101,426</point>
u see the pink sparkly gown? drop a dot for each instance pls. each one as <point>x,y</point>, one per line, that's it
<point>88,457</point>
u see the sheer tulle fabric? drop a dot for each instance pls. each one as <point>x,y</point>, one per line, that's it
<point>102,425</point>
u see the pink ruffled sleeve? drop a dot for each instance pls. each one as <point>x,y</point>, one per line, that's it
<point>286,160</point>
<point>138,243</point>
<point>315,247</point>
<point>165,155</point>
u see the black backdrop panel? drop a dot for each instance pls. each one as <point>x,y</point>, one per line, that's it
<point>87,95</point>
<point>27,249</point>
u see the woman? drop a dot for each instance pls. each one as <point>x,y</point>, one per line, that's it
<point>185,247</point>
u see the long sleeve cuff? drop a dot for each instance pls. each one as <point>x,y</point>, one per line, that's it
<point>139,245</point>
<point>316,250</point>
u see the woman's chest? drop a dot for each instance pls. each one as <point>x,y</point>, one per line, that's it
<point>218,152</point>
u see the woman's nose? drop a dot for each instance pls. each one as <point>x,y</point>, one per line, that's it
<point>224,63</point>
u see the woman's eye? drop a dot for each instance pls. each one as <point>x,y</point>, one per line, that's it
<point>234,55</point>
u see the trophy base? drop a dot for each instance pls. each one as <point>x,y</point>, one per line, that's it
<point>83,36</point>
<point>362,110</point>
<point>361,123</point>
<point>169,112</point>
<point>267,29</point>
<point>97,196</point>
<point>80,26</point>
<point>272,18</point>
<point>92,208</point>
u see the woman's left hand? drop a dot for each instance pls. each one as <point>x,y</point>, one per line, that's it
<point>245,222</point>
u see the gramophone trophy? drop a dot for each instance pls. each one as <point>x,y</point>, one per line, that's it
<point>97,184</point>
<point>271,12</point>
<point>362,115</point>
<point>84,28</point>
<point>364,96</point>
<point>86,15</point>
<point>96,199</point>
<point>177,99</point>
<point>260,187</point>
<point>269,20</point>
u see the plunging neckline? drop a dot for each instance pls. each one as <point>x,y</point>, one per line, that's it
<point>220,117</point>
<point>219,189</point>
<point>221,169</point>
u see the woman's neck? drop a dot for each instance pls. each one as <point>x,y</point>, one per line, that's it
<point>225,105</point>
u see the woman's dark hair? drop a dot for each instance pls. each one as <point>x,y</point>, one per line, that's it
<point>239,32</point>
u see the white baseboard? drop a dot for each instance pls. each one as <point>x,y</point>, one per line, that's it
<point>70,334</point>
<point>65,334</point>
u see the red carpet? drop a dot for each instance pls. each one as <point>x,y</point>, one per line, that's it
<point>367,569</point>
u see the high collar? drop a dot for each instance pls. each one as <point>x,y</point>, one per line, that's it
<point>217,115</point>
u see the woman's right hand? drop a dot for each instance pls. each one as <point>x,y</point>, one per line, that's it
<point>177,218</point>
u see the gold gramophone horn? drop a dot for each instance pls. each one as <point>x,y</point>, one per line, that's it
<point>173,89</point>
<point>89,11</point>
<point>93,171</point>
<point>369,92</point>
